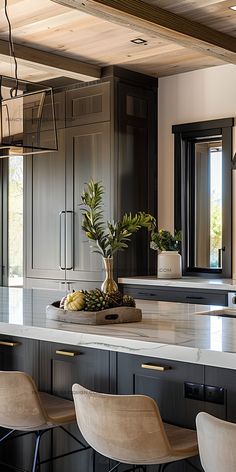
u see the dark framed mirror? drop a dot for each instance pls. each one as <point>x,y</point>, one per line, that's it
<point>203,207</point>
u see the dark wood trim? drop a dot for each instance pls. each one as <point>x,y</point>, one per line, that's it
<point>130,76</point>
<point>184,137</point>
<point>145,18</point>
<point>203,125</point>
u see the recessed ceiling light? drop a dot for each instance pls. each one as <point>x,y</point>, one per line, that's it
<point>139,41</point>
<point>233,7</point>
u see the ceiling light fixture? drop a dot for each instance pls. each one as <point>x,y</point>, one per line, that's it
<point>27,117</point>
<point>138,41</point>
<point>233,7</point>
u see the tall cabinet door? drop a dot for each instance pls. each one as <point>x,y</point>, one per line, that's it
<point>137,169</point>
<point>45,213</point>
<point>88,157</point>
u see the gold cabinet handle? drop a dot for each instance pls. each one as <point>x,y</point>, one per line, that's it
<point>9,343</point>
<point>60,352</point>
<point>160,368</point>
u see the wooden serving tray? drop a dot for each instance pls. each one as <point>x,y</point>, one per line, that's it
<point>122,314</point>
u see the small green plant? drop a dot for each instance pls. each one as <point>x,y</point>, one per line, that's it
<point>108,237</point>
<point>162,240</point>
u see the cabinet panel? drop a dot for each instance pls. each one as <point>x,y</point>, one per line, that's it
<point>137,169</point>
<point>88,156</point>
<point>87,105</point>
<point>24,356</point>
<point>166,388</point>
<point>225,378</point>
<point>58,373</point>
<point>177,295</point>
<point>44,200</point>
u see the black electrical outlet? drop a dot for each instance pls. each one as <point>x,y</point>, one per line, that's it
<point>214,394</point>
<point>194,391</point>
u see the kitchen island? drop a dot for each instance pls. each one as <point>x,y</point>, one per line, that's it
<point>173,331</point>
<point>183,358</point>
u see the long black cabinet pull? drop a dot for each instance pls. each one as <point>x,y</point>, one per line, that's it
<point>147,293</point>
<point>69,239</point>
<point>62,256</point>
<point>196,298</point>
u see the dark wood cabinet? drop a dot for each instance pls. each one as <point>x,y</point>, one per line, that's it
<point>88,151</point>
<point>23,355</point>
<point>110,136</point>
<point>55,367</point>
<point>138,375</point>
<point>60,367</point>
<point>224,378</point>
<point>44,202</point>
<point>88,104</point>
<point>174,294</point>
<point>137,172</point>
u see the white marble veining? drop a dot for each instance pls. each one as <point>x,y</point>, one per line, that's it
<point>173,331</point>
<point>184,282</point>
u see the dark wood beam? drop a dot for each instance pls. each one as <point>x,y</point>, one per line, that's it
<point>140,16</point>
<point>52,62</point>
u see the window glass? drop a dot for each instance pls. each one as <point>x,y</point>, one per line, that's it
<point>15,221</point>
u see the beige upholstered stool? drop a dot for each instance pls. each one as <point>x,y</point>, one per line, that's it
<point>23,408</point>
<point>217,443</point>
<point>129,429</point>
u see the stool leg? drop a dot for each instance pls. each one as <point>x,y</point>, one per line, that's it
<point>115,467</point>
<point>7,435</point>
<point>94,459</point>
<point>36,451</point>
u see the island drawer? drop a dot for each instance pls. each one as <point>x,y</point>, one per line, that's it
<point>167,294</point>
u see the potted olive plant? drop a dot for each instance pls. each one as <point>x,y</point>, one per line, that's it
<point>169,265</point>
<point>108,237</point>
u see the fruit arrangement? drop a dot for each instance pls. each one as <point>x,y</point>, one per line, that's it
<point>95,300</point>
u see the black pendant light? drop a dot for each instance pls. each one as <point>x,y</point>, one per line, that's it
<point>27,116</point>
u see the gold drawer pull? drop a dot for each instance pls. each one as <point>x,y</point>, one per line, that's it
<point>160,368</point>
<point>9,343</point>
<point>67,353</point>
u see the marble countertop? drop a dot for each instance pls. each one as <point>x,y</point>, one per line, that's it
<point>184,282</point>
<point>172,331</point>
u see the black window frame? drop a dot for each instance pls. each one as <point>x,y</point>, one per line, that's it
<point>185,136</point>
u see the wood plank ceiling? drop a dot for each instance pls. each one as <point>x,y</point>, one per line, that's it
<point>51,27</point>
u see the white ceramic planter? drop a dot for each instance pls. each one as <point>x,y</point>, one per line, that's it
<point>169,265</point>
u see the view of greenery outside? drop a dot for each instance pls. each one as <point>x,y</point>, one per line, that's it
<point>15,220</point>
<point>216,206</point>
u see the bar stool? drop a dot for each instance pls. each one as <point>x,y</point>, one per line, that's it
<point>217,440</point>
<point>23,408</point>
<point>128,429</point>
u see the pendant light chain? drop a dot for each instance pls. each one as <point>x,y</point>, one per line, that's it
<point>14,90</point>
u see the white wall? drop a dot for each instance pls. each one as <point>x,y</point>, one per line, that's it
<point>194,96</point>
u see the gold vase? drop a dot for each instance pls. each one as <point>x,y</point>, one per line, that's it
<point>109,284</point>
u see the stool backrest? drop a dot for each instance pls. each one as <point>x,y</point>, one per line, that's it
<point>217,443</point>
<point>127,428</point>
<point>20,406</point>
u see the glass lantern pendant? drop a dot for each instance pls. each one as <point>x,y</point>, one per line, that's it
<point>27,118</point>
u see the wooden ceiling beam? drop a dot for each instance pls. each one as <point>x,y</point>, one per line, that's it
<point>145,18</point>
<point>49,61</point>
